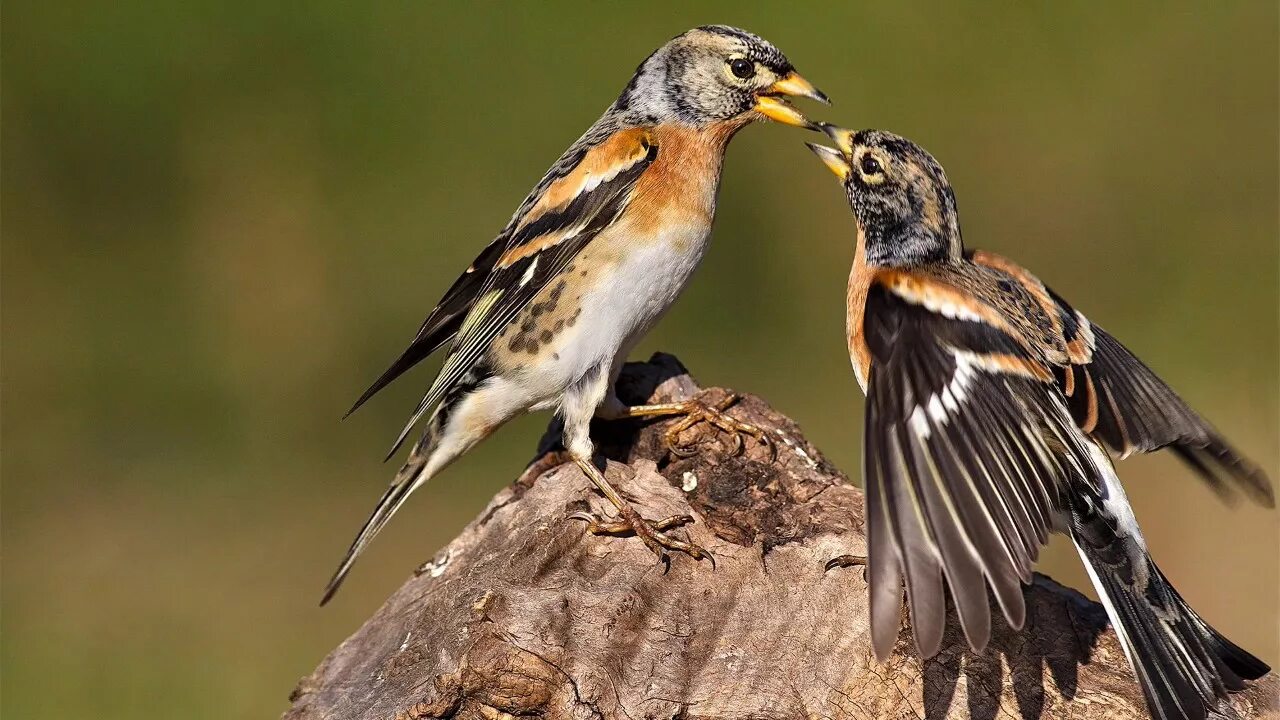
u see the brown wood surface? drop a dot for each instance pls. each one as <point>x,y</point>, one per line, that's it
<point>524,615</point>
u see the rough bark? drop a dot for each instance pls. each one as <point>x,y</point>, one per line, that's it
<point>525,615</point>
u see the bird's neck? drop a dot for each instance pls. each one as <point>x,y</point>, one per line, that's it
<point>906,246</point>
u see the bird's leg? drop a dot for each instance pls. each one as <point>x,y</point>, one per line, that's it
<point>844,561</point>
<point>695,411</point>
<point>579,404</point>
<point>630,522</point>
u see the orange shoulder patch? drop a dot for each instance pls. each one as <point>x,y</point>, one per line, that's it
<point>1010,365</point>
<point>601,163</point>
<point>940,297</point>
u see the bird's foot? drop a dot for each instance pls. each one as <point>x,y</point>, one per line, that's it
<point>696,411</point>
<point>652,534</point>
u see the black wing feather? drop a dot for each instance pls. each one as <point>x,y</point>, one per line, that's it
<point>1139,412</point>
<point>964,486</point>
<point>443,322</point>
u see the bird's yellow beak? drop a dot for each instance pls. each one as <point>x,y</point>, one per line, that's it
<point>780,110</point>
<point>842,137</point>
<point>795,86</point>
<point>770,104</point>
<point>833,159</point>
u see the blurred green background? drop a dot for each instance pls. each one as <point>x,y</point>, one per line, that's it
<point>223,219</point>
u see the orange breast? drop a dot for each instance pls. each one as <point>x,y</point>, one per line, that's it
<point>681,184</point>
<point>860,277</point>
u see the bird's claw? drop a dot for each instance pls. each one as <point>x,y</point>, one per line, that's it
<point>598,526</point>
<point>652,534</point>
<point>715,415</point>
<point>844,561</point>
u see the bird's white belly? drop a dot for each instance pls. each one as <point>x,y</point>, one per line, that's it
<point>644,287</point>
<point>620,305</point>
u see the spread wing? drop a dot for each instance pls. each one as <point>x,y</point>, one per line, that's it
<point>1118,399</point>
<point>553,225</point>
<point>969,449</point>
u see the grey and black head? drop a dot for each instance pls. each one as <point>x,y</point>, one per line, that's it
<point>904,204</point>
<point>714,74</point>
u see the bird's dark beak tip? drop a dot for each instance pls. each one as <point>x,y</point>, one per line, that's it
<point>822,151</point>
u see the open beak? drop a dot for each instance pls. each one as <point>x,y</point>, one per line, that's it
<point>770,103</point>
<point>833,159</point>
<point>842,137</point>
<point>795,86</point>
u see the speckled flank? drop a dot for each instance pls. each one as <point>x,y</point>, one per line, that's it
<point>540,326</point>
<point>542,321</point>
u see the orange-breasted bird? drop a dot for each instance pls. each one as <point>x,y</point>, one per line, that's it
<point>602,246</point>
<point>991,404</point>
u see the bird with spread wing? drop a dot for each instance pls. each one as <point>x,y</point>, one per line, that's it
<point>991,406</point>
<point>546,314</point>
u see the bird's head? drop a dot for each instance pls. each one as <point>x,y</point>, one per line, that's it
<point>904,205</point>
<point>716,74</point>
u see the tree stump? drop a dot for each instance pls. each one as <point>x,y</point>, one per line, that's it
<point>527,615</point>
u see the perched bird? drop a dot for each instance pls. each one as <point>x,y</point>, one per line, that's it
<point>990,405</point>
<point>602,246</point>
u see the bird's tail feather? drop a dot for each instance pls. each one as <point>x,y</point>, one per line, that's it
<point>416,471</point>
<point>1237,661</point>
<point>1185,667</point>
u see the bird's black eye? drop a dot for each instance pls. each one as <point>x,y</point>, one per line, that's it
<point>742,68</point>
<point>871,166</point>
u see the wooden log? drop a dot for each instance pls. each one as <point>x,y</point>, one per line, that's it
<point>524,615</point>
